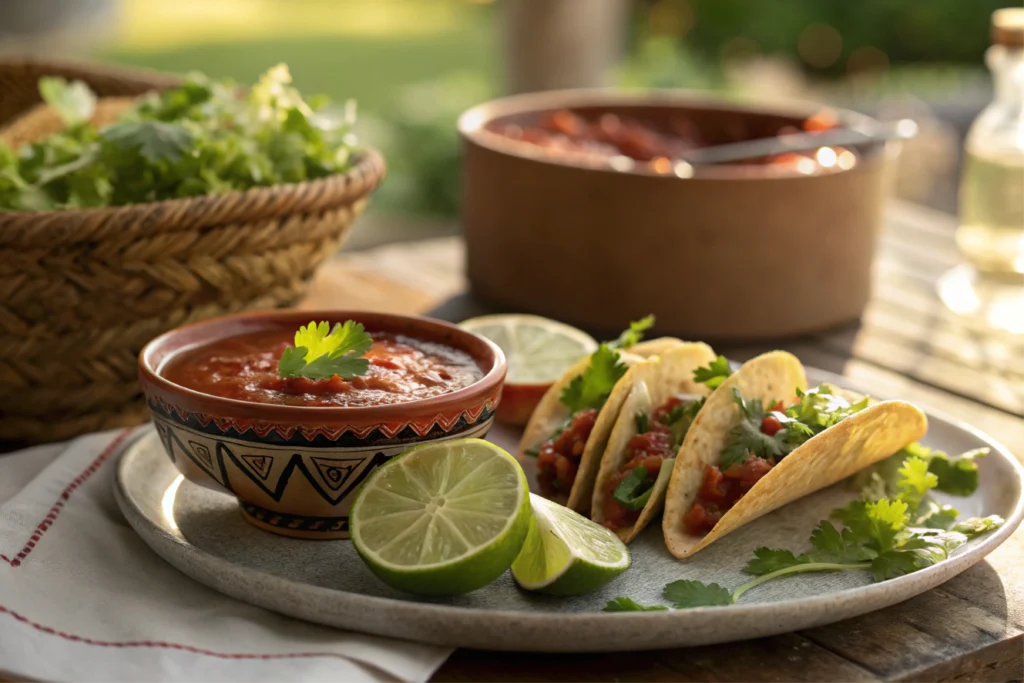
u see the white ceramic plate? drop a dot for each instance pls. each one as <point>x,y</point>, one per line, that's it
<point>202,533</point>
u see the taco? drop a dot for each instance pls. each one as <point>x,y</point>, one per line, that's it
<point>568,430</point>
<point>762,440</point>
<point>663,400</point>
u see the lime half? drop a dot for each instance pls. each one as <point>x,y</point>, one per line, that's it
<point>443,518</point>
<point>537,350</point>
<point>567,554</point>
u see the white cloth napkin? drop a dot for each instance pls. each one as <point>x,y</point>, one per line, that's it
<point>83,598</point>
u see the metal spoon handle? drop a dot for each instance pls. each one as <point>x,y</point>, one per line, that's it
<point>904,129</point>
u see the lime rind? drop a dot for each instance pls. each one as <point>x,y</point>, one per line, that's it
<point>567,554</point>
<point>443,518</point>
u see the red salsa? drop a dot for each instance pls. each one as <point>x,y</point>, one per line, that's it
<point>401,369</point>
<point>559,457</point>
<point>655,147</point>
<point>722,489</point>
<point>647,449</point>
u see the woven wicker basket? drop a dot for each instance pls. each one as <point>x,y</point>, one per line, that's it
<point>81,291</point>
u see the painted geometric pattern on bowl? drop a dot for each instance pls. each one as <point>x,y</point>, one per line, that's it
<point>407,431</point>
<point>333,473</point>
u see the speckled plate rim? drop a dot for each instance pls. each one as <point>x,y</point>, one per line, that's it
<point>546,631</point>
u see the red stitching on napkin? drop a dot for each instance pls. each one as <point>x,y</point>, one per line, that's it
<point>51,517</point>
<point>157,643</point>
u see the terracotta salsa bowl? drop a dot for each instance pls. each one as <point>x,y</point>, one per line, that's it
<point>734,252</point>
<point>295,469</point>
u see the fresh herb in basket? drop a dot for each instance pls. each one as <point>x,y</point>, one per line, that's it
<point>204,137</point>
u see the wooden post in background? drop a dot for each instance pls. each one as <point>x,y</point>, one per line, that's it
<point>551,44</point>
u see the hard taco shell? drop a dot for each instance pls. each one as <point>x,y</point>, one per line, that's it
<point>550,413</point>
<point>860,440</point>
<point>654,381</point>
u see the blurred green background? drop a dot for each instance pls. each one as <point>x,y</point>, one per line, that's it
<point>413,65</point>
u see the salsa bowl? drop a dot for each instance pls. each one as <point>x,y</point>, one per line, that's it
<point>294,457</point>
<point>556,227</point>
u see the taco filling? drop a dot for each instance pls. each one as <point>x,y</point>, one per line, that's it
<point>559,456</point>
<point>658,437</point>
<point>757,444</point>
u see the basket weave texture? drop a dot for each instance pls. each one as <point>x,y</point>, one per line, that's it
<point>82,291</point>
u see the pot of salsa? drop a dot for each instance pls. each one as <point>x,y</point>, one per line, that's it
<point>291,423</point>
<point>575,207</point>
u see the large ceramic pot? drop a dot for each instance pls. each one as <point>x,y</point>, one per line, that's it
<point>295,469</point>
<point>735,252</point>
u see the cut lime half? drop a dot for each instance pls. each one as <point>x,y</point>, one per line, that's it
<point>567,554</point>
<point>537,350</point>
<point>443,518</point>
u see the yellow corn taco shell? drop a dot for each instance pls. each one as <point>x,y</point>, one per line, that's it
<point>860,440</point>
<point>654,381</point>
<point>550,413</point>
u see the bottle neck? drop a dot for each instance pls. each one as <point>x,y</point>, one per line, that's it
<point>1007,68</point>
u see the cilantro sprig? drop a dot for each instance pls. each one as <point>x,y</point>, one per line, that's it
<point>321,352</point>
<point>815,411</point>
<point>630,605</point>
<point>886,536</point>
<point>592,387</point>
<point>634,334</point>
<point>713,374</point>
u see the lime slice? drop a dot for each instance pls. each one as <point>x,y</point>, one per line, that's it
<point>538,350</point>
<point>567,554</point>
<point>443,518</point>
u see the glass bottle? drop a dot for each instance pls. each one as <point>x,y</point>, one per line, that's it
<point>991,231</point>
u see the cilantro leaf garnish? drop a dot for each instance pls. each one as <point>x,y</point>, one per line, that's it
<point>832,545</point>
<point>635,489</point>
<point>713,374</point>
<point>915,481</point>
<point>321,352</point>
<point>634,334</point>
<point>687,593</point>
<point>680,418</point>
<point>815,411</point>
<point>643,422</point>
<point>746,437</point>
<point>592,387</point>
<point>622,604</point>
<point>958,477</point>
<point>976,526</point>
<point>768,560</point>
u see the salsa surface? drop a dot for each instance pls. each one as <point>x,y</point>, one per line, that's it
<point>402,369</point>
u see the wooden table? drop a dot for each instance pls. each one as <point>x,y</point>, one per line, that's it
<point>907,345</point>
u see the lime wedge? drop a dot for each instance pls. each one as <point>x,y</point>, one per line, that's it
<point>567,554</point>
<point>443,518</point>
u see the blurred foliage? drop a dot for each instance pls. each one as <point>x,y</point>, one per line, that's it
<point>905,31</point>
<point>661,62</point>
<point>421,143</point>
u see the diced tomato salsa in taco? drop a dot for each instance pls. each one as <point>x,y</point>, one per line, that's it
<point>658,437</point>
<point>568,430</point>
<point>665,396</point>
<point>758,443</point>
<point>763,439</point>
